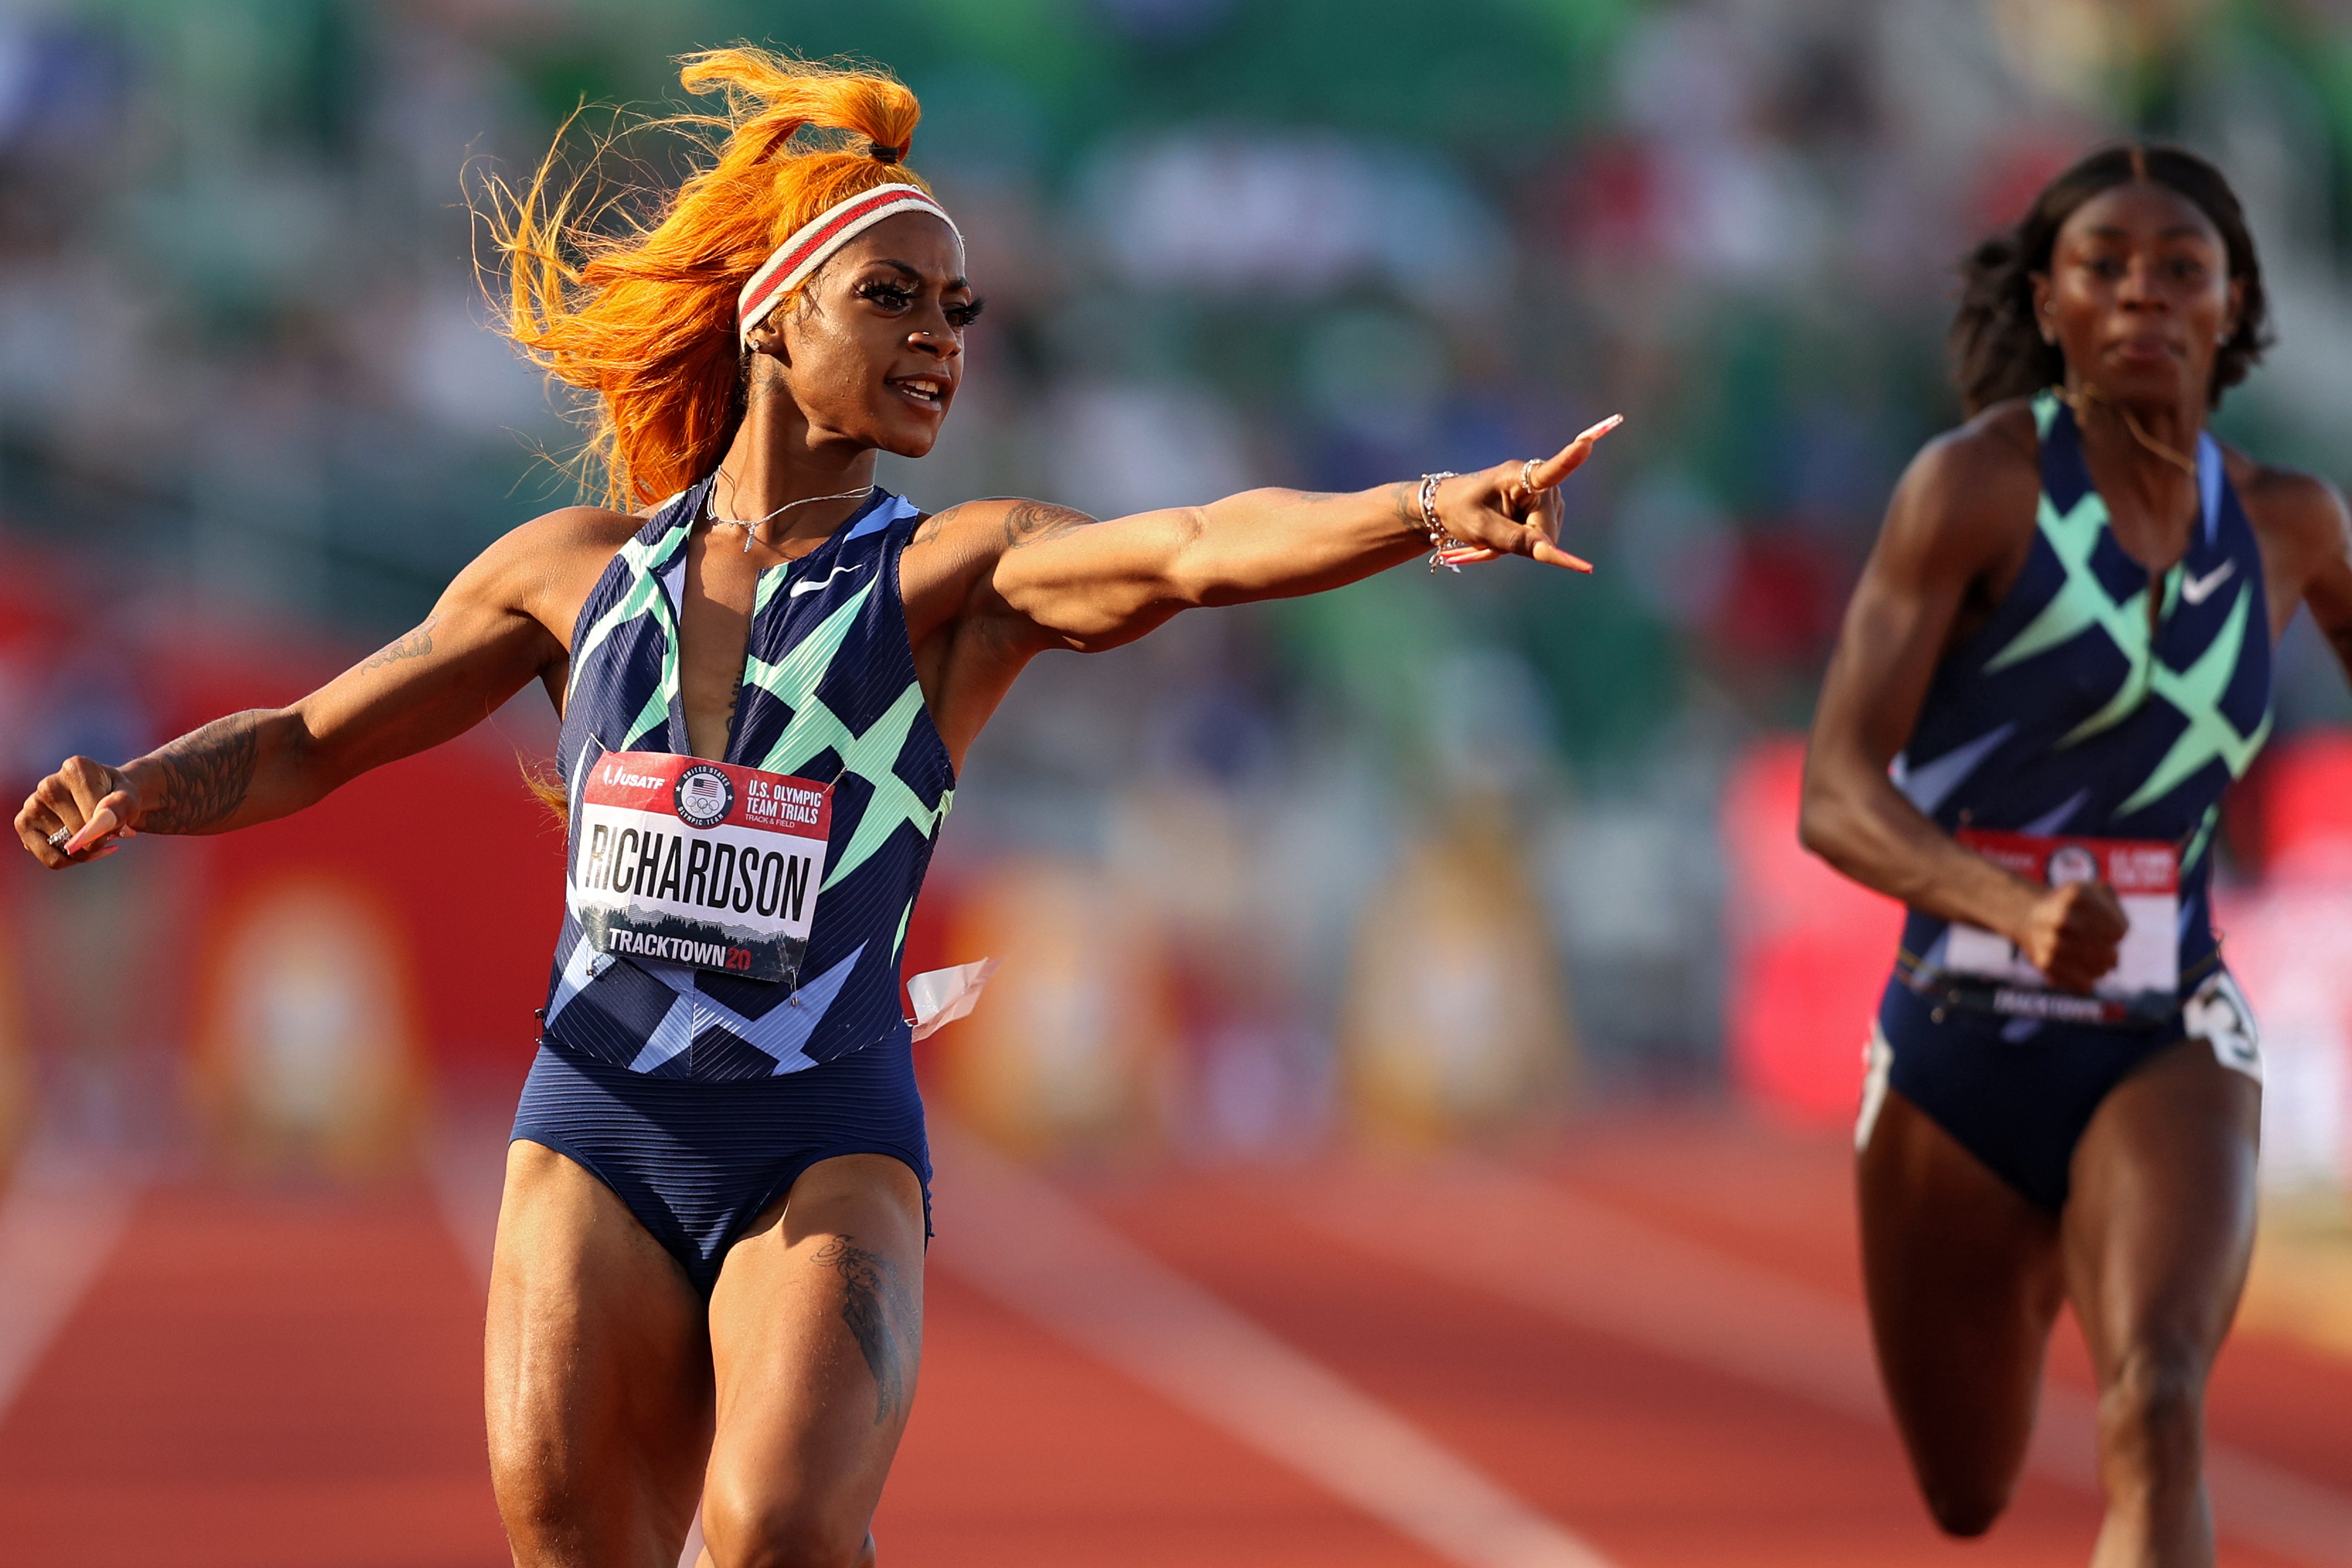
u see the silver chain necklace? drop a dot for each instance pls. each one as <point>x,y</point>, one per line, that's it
<point>751,529</point>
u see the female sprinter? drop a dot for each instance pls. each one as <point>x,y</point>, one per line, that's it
<point>708,1275</point>
<point>2057,658</point>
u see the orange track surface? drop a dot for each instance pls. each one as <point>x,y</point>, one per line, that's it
<point>257,1379</point>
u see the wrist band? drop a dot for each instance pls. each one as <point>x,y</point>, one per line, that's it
<point>1440,541</point>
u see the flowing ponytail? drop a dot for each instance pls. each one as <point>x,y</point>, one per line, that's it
<point>639,315</point>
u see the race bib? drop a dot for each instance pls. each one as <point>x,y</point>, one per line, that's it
<point>1982,970</point>
<point>698,863</point>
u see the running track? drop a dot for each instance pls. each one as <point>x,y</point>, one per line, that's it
<point>1643,1353</point>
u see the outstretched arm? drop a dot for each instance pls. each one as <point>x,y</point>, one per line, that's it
<point>1071,582</point>
<point>483,641</point>
<point>1935,544</point>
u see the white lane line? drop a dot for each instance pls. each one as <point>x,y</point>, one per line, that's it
<point>1542,1246</point>
<point>1037,1252</point>
<point>60,1217</point>
<point>466,1160</point>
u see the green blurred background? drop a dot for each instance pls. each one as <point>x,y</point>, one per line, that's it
<point>1330,243</point>
<point>1504,860</point>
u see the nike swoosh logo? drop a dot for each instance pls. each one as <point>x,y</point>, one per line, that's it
<point>2197,590</point>
<point>797,589</point>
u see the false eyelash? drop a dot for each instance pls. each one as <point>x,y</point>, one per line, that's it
<point>963,316</point>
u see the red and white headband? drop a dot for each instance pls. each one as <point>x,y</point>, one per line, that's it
<point>792,263</point>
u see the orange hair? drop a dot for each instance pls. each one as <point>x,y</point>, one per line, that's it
<point>643,320</point>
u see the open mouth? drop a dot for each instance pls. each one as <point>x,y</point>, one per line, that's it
<point>923,391</point>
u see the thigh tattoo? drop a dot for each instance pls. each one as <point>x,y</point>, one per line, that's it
<point>870,1298</point>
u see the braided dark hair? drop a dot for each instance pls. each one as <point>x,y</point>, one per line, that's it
<point>1996,346</point>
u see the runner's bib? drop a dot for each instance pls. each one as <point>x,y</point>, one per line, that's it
<point>1986,970</point>
<point>698,863</point>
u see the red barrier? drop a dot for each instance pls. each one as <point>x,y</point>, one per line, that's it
<point>2302,806</point>
<point>1809,950</point>
<point>449,843</point>
<point>440,876</point>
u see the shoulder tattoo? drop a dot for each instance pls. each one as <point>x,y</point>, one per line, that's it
<point>1026,522</point>
<point>1034,522</point>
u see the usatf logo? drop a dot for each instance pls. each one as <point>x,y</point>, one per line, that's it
<point>704,796</point>
<point>2070,864</point>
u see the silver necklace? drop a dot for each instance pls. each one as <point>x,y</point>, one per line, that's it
<point>751,529</point>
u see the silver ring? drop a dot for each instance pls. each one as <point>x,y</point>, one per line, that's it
<point>1528,491</point>
<point>60,836</point>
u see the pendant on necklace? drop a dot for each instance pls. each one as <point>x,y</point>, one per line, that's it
<point>750,530</point>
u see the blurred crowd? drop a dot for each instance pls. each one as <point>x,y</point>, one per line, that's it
<point>246,357</point>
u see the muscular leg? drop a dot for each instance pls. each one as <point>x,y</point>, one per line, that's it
<point>1964,1280</point>
<point>815,1330</point>
<point>597,1375</point>
<point>2156,1235</point>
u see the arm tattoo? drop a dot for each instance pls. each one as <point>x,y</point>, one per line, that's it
<point>1034,522</point>
<point>205,774</point>
<point>1408,505</point>
<point>414,644</point>
<point>870,1297</point>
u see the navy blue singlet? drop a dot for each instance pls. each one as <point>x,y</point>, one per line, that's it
<point>696,1096</point>
<point>2077,710</point>
<point>829,694</point>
